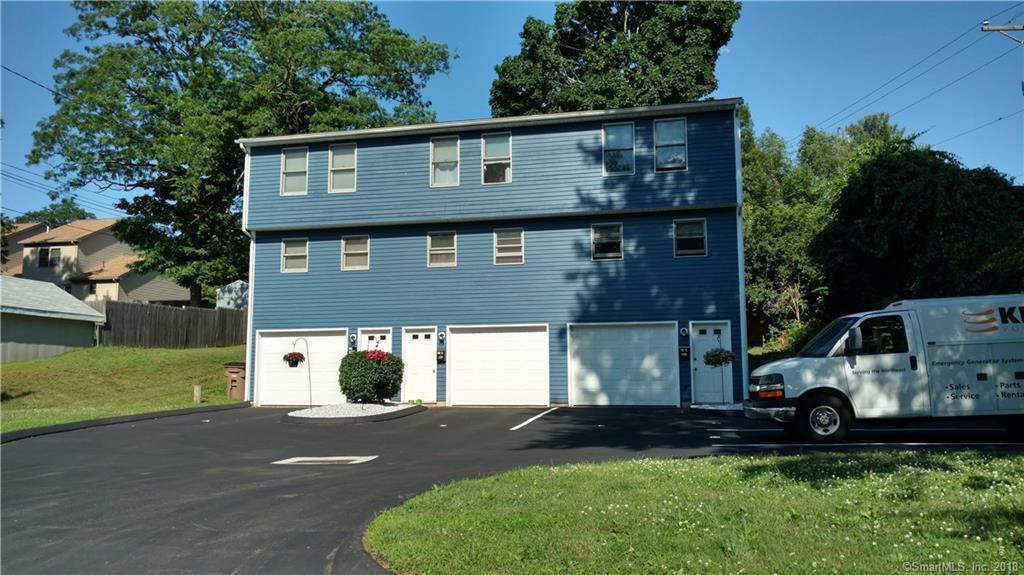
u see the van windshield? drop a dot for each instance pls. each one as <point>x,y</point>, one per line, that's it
<point>822,343</point>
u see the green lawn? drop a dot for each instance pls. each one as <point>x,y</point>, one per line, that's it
<point>109,381</point>
<point>830,513</point>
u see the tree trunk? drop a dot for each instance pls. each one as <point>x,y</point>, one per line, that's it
<point>195,295</point>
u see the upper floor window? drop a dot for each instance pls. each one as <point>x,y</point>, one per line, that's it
<point>294,255</point>
<point>509,247</point>
<point>690,237</point>
<point>343,168</point>
<point>606,241</point>
<point>670,145</point>
<point>497,158</point>
<point>355,253</point>
<point>294,164</point>
<point>618,149</point>
<point>441,250</point>
<point>444,161</point>
<point>49,257</point>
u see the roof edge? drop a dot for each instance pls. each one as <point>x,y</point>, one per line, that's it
<point>493,123</point>
<point>98,318</point>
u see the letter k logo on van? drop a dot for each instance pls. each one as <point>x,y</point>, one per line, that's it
<point>980,321</point>
<point>1011,315</point>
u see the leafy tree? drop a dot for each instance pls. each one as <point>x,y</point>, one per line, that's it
<point>914,222</point>
<point>60,211</point>
<point>6,227</point>
<point>155,100</point>
<point>614,54</point>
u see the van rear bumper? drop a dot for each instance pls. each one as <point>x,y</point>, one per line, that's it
<point>783,411</point>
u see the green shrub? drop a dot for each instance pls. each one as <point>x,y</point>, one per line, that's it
<point>365,380</point>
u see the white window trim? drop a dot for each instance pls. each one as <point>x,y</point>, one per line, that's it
<point>331,169</point>
<point>686,145</point>
<point>458,162</point>
<point>522,246</point>
<point>483,158</point>
<point>303,270</point>
<point>704,222</point>
<point>305,191</point>
<point>346,238</point>
<point>622,242</point>
<point>632,127</point>
<point>455,249</point>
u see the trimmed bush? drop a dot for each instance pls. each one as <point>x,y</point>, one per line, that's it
<point>370,376</point>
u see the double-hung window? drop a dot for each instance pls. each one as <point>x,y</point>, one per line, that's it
<point>294,166</point>
<point>690,237</point>
<point>343,168</point>
<point>497,158</point>
<point>441,250</point>
<point>670,145</point>
<point>509,247</point>
<point>606,242</point>
<point>444,161</point>
<point>355,253</point>
<point>618,149</point>
<point>294,255</point>
<point>49,258</point>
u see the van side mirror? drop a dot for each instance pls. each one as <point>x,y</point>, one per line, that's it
<point>854,341</point>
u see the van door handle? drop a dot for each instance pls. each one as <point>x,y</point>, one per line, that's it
<point>913,363</point>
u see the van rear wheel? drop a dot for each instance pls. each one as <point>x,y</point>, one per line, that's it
<point>1014,424</point>
<point>823,419</point>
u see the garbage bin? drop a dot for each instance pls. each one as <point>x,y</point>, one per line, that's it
<point>236,379</point>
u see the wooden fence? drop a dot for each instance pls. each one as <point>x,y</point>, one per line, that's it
<point>150,325</point>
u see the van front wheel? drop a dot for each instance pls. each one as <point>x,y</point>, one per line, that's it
<point>823,419</point>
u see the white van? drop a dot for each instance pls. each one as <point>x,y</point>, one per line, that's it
<point>951,357</point>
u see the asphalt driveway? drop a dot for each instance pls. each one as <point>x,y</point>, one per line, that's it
<point>198,493</point>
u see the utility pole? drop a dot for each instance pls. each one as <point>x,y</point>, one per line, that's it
<point>1004,30</point>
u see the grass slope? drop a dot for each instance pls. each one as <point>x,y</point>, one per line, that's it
<point>108,381</point>
<point>829,513</point>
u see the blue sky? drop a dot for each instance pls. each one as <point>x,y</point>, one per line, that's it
<point>795,64</point>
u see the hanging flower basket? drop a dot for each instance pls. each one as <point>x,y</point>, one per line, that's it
<point>294,358</point>
<point>719,357</point>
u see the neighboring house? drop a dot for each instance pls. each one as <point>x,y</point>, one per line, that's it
<point>85,259</point>
<point>235,295</point>
<point>41,320</point>
<point>586,258</point>
<point>14,250</point>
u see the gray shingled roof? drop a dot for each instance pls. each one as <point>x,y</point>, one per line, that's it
<point>43,299</point>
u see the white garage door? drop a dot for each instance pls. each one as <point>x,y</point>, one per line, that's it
<point>624,364</point>
<point>278,384</point>
<point>498,365</point>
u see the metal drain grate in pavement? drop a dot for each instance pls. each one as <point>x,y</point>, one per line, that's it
<point>331,460</point>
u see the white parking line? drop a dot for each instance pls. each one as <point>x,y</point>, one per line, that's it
<point>867,429</point>
<point>532,419</point>
<point>867,444</point>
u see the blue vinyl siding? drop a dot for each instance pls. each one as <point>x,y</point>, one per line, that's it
<point>557,284</point>
<point>556,169</point>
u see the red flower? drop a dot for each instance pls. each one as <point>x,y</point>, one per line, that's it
<point>294,356</point>
<point>376,355</point>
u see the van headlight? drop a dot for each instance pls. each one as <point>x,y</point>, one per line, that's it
<point>769,386</point>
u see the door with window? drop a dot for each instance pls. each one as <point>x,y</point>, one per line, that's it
<point>419,352</point>
<point>887,377</point>
<point>711,385</point>
<point>375,338</point>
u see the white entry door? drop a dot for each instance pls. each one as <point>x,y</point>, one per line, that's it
<point>624,364</point>
<point>419,352</point>
<point>375,338</point>
<point>710,384</point>
<point>498,365</point>
<point>314,381</point>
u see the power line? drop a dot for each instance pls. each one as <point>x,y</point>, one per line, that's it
<point>976,128</point>
<point>933,92</point>
<point>103,232</point>
<point>41,176</point>
<point>35,187</point>
<point>972,28</point>
<point>24,77</point>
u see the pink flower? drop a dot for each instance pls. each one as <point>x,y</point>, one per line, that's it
<point>376,355</point>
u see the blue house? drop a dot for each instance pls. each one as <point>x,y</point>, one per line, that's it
<point>585,258</point>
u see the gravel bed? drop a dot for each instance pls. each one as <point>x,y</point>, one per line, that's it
<point>349,410</point>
